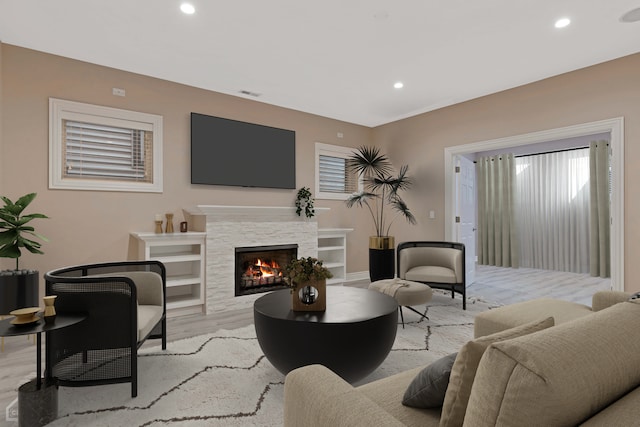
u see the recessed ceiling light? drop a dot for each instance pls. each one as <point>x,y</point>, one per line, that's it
<point>563,22</point>
<point>398,85</point>
<point>632,16</point>
<point>187,8</point>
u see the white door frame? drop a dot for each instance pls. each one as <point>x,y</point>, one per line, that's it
<point>466,207</point>
<point>616,128</point>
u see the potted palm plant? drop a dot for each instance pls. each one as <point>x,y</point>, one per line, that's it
<point>19,288</point>
<point>381,196</point>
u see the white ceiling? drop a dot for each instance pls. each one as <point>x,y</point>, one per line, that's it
<point>334,58</point>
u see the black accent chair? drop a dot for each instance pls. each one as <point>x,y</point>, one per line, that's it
<point>440,265</point>
<point>125,303</point>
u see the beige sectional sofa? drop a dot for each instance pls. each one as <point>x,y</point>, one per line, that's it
<point>583,371</point>
<point>511,315</point>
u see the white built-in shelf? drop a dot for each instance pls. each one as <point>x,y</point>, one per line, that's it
<point>167,259</point>
<point>332,250</point>
<point>183,255</point>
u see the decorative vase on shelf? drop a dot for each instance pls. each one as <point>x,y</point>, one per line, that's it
<point>309,296</point>
<point>49,308</point>
<point>158,222</point>
<point>169,227</point>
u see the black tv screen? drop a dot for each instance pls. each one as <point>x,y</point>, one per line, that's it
<point>230,152</point>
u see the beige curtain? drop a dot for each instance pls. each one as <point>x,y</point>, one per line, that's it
<point>497,238</point>
<point>599,234</point>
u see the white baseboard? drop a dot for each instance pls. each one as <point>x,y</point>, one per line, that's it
<point>359,275</point>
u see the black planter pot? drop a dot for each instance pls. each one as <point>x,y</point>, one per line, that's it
<point>382,260</point>
<point>19,291</point>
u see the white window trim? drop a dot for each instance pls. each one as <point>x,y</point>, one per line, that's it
<point>60,110</point>
<point>335,151</point>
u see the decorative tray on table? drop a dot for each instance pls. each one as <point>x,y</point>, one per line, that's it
<point>25,316</point>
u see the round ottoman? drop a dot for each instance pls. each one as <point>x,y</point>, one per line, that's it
<point>405,292</point>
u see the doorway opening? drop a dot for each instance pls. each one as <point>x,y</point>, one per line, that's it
<point>614,127</point>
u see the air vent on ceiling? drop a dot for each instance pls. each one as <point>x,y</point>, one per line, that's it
<point>249,93</point>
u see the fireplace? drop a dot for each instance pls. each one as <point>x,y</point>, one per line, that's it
<point>260,268</point>
<point>230,227</point>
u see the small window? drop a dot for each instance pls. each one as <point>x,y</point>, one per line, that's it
<point>102,148</point>
<point>333,179</point>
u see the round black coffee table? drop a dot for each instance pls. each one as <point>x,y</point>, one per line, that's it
<point>352,337</point>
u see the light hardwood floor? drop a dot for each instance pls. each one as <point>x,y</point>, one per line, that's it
<point>509,285</point>
<point>496,285</point>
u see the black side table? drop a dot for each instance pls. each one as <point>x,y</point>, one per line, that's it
<point>38,406</point>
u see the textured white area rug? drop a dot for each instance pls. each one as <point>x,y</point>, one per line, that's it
<point>223,379</point>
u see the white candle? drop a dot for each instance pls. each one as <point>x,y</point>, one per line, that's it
<point>158,217</point>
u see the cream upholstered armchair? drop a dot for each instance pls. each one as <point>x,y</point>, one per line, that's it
<point>440,265</point>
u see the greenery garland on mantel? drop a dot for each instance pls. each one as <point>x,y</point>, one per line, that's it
<point>304,200</point>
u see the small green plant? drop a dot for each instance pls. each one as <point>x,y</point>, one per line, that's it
<point>15,227</point>
<point>304,200</point>
<point>302,270</point>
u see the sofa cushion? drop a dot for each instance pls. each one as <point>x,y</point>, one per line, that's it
<point>315,395</point>
<point>428,388</point>
<point>509,316</point>
<point>431,274</point>
<point>605,299</point>
<point>148,317</point>
<point>148,285</point>
<point>622,412</point>
<point>560,376</point>
<point>466,364</point>
<point>387,394</point>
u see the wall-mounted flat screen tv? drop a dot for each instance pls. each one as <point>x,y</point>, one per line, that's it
<point>230,152</point>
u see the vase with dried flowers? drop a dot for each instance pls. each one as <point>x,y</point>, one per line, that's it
<point>307,278</point>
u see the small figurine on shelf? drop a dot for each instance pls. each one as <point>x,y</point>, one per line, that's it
<point>169,227</point>
<point>158,222</point>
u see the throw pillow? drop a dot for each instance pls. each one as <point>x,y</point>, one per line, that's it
<point>428,388</point>
<point>466,364</point>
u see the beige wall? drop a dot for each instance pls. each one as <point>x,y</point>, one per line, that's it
<point>94,226</point>
<point>600,92</point>
<point>1,133</point>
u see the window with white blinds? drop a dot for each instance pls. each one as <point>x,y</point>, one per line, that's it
<point>107,152</point>
<point>102,148</point>
<point>333,179</point>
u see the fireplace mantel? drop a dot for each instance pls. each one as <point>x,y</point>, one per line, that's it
<point>249,213</point>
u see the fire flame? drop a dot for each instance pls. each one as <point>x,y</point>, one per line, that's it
<point>266,268</point>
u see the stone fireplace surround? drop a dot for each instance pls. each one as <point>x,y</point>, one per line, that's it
<point>228,227</point>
